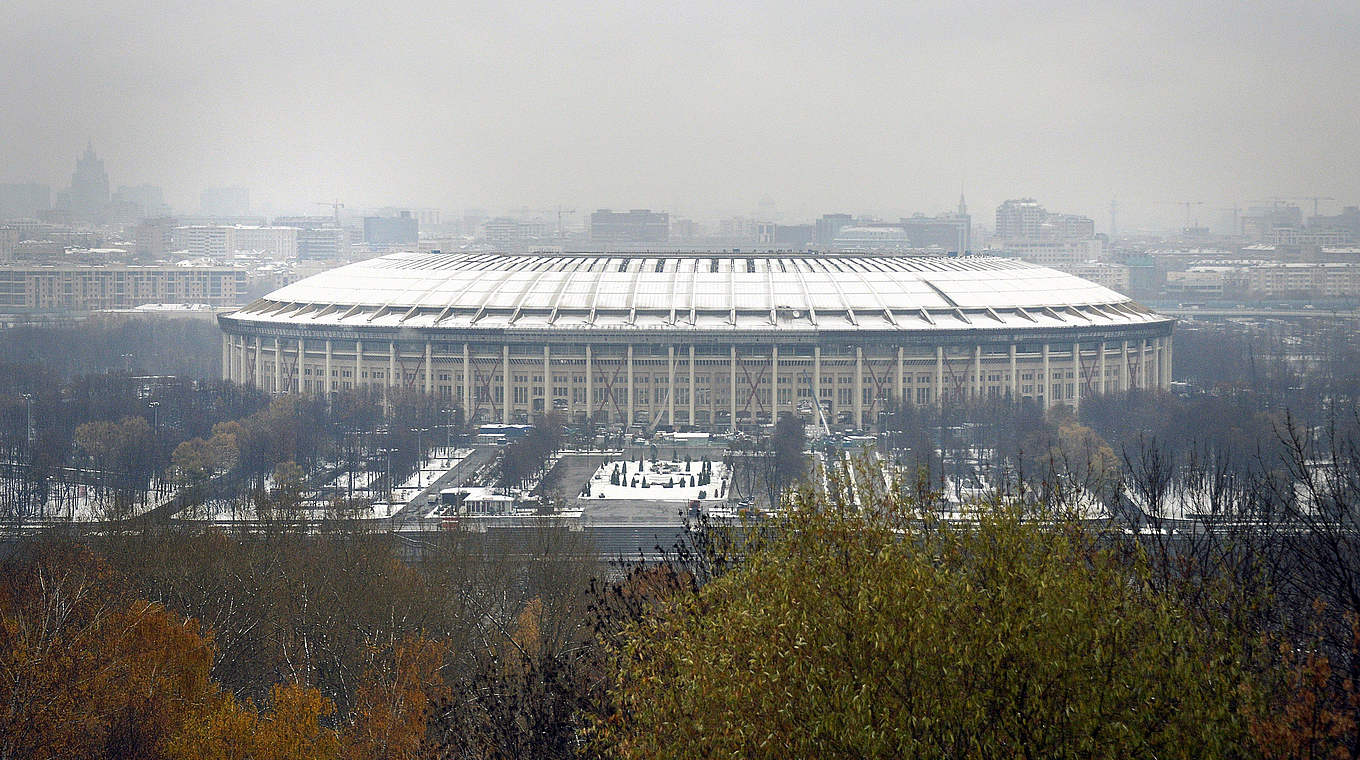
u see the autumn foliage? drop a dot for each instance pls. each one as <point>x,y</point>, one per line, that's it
<point>88,670</point>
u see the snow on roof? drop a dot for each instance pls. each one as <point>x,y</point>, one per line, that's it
<point>642,290</point>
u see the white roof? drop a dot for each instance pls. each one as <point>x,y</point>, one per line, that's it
<point>696,290</point>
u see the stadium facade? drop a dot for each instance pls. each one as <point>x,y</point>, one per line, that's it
<point>710,340</point>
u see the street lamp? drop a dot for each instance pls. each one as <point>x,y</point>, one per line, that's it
<point>28,432</point>
<point>28,436</point>
<point>420,456</point>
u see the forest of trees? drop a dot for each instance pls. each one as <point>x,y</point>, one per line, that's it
<point>148,423</point>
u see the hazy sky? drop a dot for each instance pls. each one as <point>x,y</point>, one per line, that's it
<point>700,107</point>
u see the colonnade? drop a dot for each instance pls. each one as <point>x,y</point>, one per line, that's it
<point>710,385</point>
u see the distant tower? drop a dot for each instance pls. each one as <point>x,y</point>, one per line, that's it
<point>963,207</point>
<point>89,186</point>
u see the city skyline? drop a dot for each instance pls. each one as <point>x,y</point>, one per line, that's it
<point>701,109</point>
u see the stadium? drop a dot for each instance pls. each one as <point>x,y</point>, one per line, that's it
<point>698,340</point>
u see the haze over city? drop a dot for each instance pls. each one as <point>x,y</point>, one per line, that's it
<point>703,108</point>
<point>654,381</point>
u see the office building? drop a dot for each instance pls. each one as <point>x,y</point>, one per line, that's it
<point>629,227</point>
<point>388,231</point>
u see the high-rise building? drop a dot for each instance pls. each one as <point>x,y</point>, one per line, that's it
<point>206,240</point>
<point>1068,227</point>
<point>318,237</point>
<point>225,201</point>
<point>147,200</point>
<point>829,226</point>
<point>639,225</point>
<point>24,200</point>
<point>220,240</point>
<point>155,238</point>
<point>1020,218</point>
<point>385,231</point>
<point>9,241</point>
<point>277,242</point>
<point>949,232</point>
<point>89,187</point>
<point>515,233</point>
<point>1348,219</point>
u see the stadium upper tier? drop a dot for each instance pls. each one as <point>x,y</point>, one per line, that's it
<point>795,292</point>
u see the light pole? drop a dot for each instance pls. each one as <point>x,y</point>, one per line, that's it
<point>28,431</point>
<point>420,456</point>
<point>28,437</point>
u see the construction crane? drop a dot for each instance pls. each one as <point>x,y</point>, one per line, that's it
<point>1314,199</point>
<point>1187,204</point>
<point>335,208</point>
<point>559,210</point>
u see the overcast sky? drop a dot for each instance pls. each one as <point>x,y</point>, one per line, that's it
<point>699,107</point>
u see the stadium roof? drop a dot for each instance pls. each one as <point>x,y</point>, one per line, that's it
<point>698,290</point>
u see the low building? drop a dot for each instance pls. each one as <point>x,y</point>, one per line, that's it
<point>117,286</point>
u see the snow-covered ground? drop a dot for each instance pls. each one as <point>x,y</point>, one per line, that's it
<point>657,476</point>
<point>440,461</point>
<point>228,512</point>
<point>81,503</point>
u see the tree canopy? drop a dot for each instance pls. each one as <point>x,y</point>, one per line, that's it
<point>872,633</point>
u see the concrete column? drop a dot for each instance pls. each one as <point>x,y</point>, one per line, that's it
<point>327,384</point>
<point>817,381</point>
<point>1015,377</point>
<point>901,370</point>
<point>259,365</point>
<point>692,389</point>
<point>505,384</point>
<point>858,406</point>
<point>1156,362</point>
<point>467,384</point>
<point>391,363</point>
<point>939,376</point>
<point>301,358</point>
<point>629,405</point>
<point>732,399</point>
<point>1145,364</point>
<point>226,356</point>
<point>1124,373</point>
<point>547,382</point>
<point>571,390</point>
<point>1101,367</point>
<point>590,387</point>
<point>979,387</point>
<point>774,383</point>
<point>1167,369</point>
<point>670,386</point>
<point>429,368</point>
<point>1076,376</point>
<point>1048,381</point>
<point>278,366</point>
<point>358,363</point>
